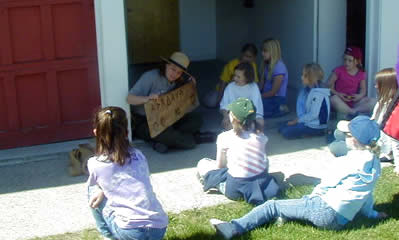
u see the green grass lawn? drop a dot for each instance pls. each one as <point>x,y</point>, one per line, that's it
<point>193,224</point>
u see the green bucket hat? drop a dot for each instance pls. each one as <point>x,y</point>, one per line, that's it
<point>243,109</point>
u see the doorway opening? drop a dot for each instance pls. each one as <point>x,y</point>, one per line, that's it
<point>356,24</point>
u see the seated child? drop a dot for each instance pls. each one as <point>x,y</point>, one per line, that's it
<point>242,86</point>
<point>386,85</point>
<point>312,106</point>
<point>274,80</point>
<point>241,166</point>
<point>336,200</point>
<point>348,85</point>
<point>121,198</point>
<point>248,54</point>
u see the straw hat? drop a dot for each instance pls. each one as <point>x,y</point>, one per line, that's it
<point>179,59</point>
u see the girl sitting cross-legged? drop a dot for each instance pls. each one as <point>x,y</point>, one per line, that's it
<point>241,167</point>
<point>312,106</point>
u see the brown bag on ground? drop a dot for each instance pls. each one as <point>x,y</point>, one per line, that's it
<point>78,158</point>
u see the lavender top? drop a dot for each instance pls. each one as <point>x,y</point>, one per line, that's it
<point>279,69</point>
<point>128,190</point>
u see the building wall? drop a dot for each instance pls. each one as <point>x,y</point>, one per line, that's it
<point>112,53</point>
<point>232,27</point>
<point>382,38</point>
<point>292,23</point>
<point>198,28</point>
<point>331,40</point>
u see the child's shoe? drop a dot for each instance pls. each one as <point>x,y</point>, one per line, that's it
<point>160,147</point>
<point>224,229</point>
<point>280,221</point>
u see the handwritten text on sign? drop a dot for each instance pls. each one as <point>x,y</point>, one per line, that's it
<point>170,107</point>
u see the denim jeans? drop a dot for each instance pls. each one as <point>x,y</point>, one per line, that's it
<point>107,227</point>
<point>298,130</point>
<point>312,209</point>
<point>271,106</point>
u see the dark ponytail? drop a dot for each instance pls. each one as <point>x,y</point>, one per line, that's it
<point>111,134</point>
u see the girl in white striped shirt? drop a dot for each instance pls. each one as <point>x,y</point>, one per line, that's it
<point>241,166</point>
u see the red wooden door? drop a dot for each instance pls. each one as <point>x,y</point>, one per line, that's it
<point>49,85</point>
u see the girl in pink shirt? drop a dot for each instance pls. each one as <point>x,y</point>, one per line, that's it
<point>348,85</point>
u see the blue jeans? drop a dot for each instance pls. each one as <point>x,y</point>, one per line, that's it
<point>271,106</point>
<point>312,209</point>
<point>107,227</point>
<point>298,130</point>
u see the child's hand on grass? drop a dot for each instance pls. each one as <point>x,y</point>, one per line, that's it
<point>382,215</point>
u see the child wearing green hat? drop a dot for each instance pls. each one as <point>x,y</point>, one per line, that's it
<point>337,199</point>
<point>241,167</point>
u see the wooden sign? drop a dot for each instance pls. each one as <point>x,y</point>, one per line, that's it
<point>170,107</point>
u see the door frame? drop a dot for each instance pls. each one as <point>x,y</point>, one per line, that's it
<point>112,54</point>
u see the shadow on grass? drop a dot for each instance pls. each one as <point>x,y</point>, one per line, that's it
<point>196,236</point>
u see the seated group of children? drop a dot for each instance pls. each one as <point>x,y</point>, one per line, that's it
<point>239,78</point>
<point>125,206</point>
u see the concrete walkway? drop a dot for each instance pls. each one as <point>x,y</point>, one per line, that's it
<point>38,198</point>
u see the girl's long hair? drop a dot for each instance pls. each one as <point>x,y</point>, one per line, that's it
<point>250,126</point>
<point>110,124</point>
<point>386,87</point>
<point>273,47</point>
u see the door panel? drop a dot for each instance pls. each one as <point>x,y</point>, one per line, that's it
<point>3,107</point>
<point>153,29</point>
<point>49,84</point>
<point>68,40</point>
<point>30,28</point>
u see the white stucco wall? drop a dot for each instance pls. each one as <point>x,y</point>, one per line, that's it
<point>331,40</point>
<point>382,37</point>
<point>198,28</point>
<point>292,23</point>
<point>112,53</point>
<point>233,31</point>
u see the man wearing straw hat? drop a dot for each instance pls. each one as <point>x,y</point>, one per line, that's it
<point>184,133</point>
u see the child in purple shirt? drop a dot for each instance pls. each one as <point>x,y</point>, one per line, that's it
<point>274,80</point>
<point>120,193</point>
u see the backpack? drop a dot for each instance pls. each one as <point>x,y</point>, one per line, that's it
<point>78,158</point>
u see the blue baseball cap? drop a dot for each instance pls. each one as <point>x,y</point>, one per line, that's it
<point>362,128</point>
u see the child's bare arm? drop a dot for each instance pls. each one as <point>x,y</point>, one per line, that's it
<point>277,80</point>
<point>362,91</point>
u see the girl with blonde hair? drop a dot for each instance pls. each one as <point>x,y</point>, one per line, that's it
<point>312,106</point>
<point>274,80</point>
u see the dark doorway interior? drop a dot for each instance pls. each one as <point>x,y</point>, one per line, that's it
<point>356,24</point>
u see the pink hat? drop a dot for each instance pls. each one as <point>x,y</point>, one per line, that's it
<point>355,52</point>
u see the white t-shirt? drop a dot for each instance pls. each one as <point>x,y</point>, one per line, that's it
<point>246,155</point>
<point>250,91</point>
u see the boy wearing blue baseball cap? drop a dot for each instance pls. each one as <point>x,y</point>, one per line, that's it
<point>337,199</point>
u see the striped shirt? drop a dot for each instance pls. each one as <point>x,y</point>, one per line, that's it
<point>246,155</point>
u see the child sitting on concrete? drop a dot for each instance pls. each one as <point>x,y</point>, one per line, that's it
<point>241,166</point>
